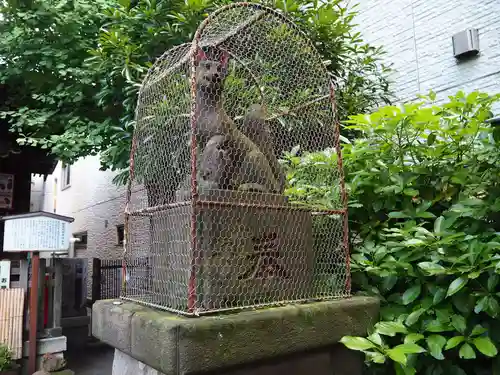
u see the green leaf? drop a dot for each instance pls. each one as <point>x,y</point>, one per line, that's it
<point>413,337</point>
<point>397,215</point>
<point>443,315</point>
<point>478,330</point>
<point>411,294</point>
<point>376,339</point>
<point>390,328</point>
<point>493,307</point>
<point>435,343</point>
<point>414,316</point>
<point>481,305</point>
<point>463,302</point>
<point>410,348</point>
<point>414,242</point>
<point>432,268</point>
<point>485,346</point>
<point>404,370</point>
<point>357,343</point>
<point>493,282</point>
<point>397,355</point>
<point>437,326</point>
<point>474,275</point>
<point>410,192</point>
<point>344,139</point>
<point>389,282</point>
<point>423,231</point>
<point>425,215</point>
<point>439,296</point>
<point>431,138</point>
<point>457,285</point>
<point>467,352</point>
<point>459,323</point>
<point>438,225</point>
<point>454,342</point>
<point>375,357</point>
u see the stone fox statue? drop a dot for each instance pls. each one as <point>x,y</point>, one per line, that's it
<point>230,159</point>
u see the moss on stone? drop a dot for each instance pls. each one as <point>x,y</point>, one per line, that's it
<point>175,344</point>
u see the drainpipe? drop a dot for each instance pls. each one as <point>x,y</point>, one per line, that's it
<point>72,241</point>
<point>54,196</point>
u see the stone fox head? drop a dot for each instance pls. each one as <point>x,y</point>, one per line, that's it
<point>211,69</point>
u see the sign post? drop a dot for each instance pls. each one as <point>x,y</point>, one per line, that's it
<point>35,267</point>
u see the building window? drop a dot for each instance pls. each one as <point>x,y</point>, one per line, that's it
<point>82,236</point>
<point>65,176</point>
<point>120,233</point>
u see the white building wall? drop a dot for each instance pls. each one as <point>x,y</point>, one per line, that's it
<point>37,193</point>
<point>96,204</point>
<point>417,37</point>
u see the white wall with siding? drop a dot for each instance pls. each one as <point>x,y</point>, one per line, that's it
<point>417,37</point>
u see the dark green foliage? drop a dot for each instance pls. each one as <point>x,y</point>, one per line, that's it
<point>73,68</point>
<point>5,358</point>
<point>50,92</point>
<point>424,185</point>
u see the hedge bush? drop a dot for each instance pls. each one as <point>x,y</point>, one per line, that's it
<point>424,185</point>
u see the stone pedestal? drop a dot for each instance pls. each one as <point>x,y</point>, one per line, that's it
<point>295,339</point>
<point>52,345</point>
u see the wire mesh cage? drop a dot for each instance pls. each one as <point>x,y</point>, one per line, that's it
<point>209,223</point>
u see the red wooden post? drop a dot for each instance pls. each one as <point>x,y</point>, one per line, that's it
<point>35,266</point>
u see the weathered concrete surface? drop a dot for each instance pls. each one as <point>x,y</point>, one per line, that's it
<point>124,364</point>
<point>48,345</point>
<point>336,360</point>
<point>174,344</point>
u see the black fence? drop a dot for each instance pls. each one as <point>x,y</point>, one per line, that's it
<point>107,276</point>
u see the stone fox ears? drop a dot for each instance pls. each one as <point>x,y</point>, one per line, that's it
<point>213,54</point>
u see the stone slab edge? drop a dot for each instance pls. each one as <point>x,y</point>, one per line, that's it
<point>174,344</point>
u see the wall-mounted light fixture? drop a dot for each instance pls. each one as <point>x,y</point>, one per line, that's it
<point>466,43</point>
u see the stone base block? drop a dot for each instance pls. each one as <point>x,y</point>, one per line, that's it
<point>274,340</point>
<point>24,362</point>
<point>336,360</point>
<point>53,345</point>
<point>47,345</point>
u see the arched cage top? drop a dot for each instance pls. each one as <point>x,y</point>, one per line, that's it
<point>214,117</point>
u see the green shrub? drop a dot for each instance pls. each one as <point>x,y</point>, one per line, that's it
<point>424,185</point>
<point>425,198</point>
<point>5,358</point>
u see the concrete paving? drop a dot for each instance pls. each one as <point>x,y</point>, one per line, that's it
<point>94,359</point>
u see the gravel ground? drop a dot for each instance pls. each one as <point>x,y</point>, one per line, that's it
<point>95,359</point>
